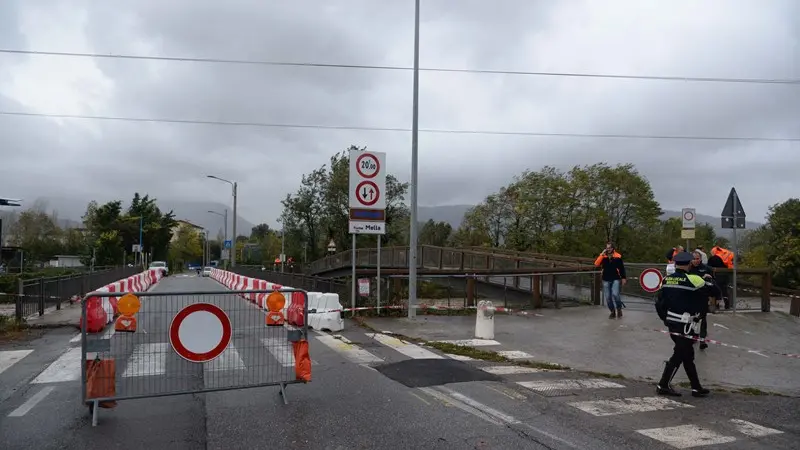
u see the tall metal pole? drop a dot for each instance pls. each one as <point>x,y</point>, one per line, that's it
<point>378,281</point>
<point>353,275</point>
<point>141,247</point>
<point>412,238</point>
<point>283,250</point>
<point>226,226</point>
<point>233,242</point>
<point>735,225</point>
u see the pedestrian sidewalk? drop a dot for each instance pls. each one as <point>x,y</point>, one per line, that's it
<point>584,338</point>
<point>68,316</point>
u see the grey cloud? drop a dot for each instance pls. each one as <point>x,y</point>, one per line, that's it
<point>727,39</point>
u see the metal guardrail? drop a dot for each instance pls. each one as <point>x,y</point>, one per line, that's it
<point>179,343</point>
<point>34,296</point>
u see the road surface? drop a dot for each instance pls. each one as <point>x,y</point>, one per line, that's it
<point>369,391</point>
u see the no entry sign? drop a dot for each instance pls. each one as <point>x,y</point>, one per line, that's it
<point>650,280</point>
<point>200,332</point>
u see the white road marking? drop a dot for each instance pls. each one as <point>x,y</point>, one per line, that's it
<point>66,368</point>
<point>514,354</point>
<point>448,400</point>
<point>472,342</point>
<point>510,370</point>
<point>459,357</point>
<point>721,326</point>
<point>501,416</point>
<point>228,360</point>
<point>753,430</point>
<point>76,338</point>
<point>686,436</point>
<point>601,408</point>
<point>10,357</point>
<point>281,349</point>
<point>564,385</point>
<point>147,360</point>
<point>352,352</point>
<point>406,348</point>
<point>32,402</point>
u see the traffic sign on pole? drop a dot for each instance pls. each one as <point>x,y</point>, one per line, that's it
<point>650,280</point>
<point>200,332</point>
<point>228,244</point>
<point>733,215</point>
<point>688,215</point>
<point>367,192</point>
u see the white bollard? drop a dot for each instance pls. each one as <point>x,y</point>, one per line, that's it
<point>484,320</point>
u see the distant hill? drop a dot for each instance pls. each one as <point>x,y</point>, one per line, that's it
<point>454,214</point>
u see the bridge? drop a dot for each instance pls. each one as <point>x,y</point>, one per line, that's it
<point>516,278</point>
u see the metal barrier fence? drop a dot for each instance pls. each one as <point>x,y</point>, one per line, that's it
<point>175,343</point>
<point>34,296</point>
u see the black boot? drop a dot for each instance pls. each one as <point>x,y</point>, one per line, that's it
<point>664,386</point>
<point>613,314</point>
<point>694,379</point>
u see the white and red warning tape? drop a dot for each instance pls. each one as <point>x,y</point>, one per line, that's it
<point>723,344</point>
<point>440,308</point>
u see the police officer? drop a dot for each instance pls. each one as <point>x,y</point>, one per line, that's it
<point>682,303</point>
<point>712,290</point>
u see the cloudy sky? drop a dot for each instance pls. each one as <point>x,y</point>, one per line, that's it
<point>101,159</point>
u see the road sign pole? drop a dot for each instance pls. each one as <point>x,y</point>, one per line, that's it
<point>735,250</point>
<point>353,293</point>
<point>412,235</point>
<point>233,247</point>
<point>379,275</point>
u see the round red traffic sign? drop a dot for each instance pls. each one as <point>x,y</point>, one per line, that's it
<point>367,165</point>
<point>200,332</point>
<point>650,280</point>
<point>367,193</point>
<point>688,215</point>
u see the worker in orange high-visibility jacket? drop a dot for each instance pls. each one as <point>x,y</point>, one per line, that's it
<point>670,255</point>
<point>724,254</point>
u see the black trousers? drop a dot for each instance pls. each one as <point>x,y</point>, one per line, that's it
<point>683,354</point>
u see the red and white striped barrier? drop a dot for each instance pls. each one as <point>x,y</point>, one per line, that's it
<point>101,311</point>
<point>325,306</point>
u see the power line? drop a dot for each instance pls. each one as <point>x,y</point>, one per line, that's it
<point>397,129</point>
<point>786,81</point>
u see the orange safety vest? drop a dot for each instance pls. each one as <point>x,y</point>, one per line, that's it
<point>725,255</point>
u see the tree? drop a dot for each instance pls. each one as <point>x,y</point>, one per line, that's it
<point>319,211</point>
<point>259,232</point>
<point>187,247</point>
<point>37,233</point>
<point>777,243</point>
<point>435,233</point>
<point>571,213</point>
<point>112,233</point>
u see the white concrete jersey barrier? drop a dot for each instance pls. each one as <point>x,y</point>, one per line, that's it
<point>323,307</point>
<point>136,283</point>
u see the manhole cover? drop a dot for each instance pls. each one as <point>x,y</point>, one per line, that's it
<point>433,372</point>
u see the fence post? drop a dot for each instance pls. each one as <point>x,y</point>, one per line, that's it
<point>766,288</point>
<point>58,293</point>
<point>41,296</point>
<point>20,299</point>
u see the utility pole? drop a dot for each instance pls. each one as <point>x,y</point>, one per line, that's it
<point>412,250</point>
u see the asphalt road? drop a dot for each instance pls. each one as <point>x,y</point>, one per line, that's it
<point>372,393</point>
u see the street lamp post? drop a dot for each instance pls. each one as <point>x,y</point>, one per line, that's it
<point>225,218</point>
<point>233,240</point>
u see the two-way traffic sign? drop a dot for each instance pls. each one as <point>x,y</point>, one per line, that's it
<point>367,192</point>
